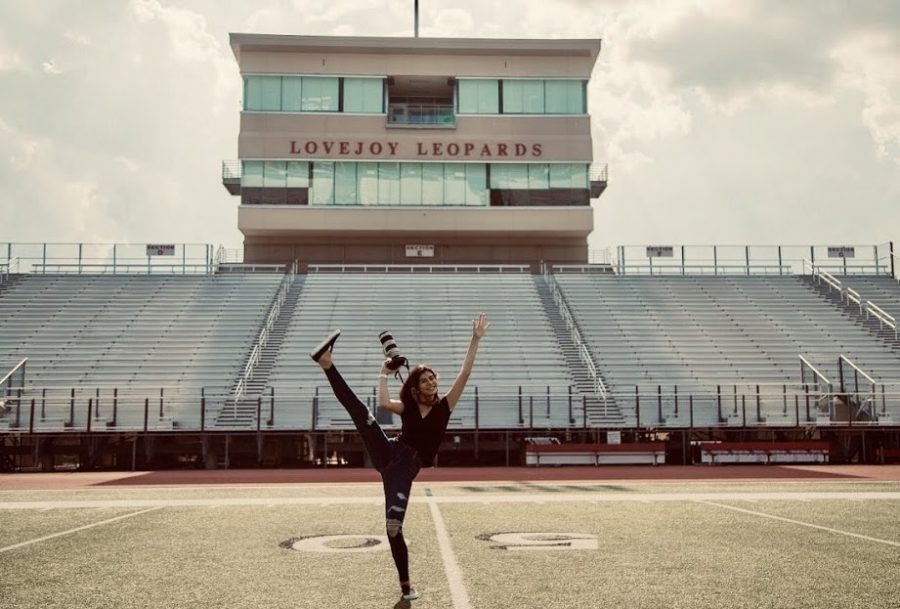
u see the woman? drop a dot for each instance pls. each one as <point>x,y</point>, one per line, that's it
<point>424,417</point>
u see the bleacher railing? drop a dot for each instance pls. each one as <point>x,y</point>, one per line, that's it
<point>263,338</point>
<point>7,268</point>
<point>174,410</point>
<point>849,295</point>
<point>107,258</point>
<point>752,259</point>
<point>767,406</point>
<point>96,410</point>
<point>583,351</point>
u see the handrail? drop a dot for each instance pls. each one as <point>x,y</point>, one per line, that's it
<point>852,295</point>
<point>885,318</point>
<point>263,337</point>
<point>13,371</point>
<point>815,370</point>
<point>583,351</point>
<point>4,274</point>
<point>857,368</point>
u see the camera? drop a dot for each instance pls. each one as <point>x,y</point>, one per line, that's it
<point>389,345</point>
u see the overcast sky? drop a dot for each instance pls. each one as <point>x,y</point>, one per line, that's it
<point>728,122</point>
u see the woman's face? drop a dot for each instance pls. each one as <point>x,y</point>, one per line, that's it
<point>427,385</point>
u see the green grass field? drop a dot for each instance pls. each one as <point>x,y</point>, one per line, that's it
<point>646,545</point>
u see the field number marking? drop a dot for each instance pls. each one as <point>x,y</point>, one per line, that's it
<point>541,541</point>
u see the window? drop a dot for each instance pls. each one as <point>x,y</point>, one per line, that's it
<point>568,175</point>
<point>274,174</point>
<point>432,183</point>
<point>388,183</point>
<point>367,175</point>
<point>523,96</point>
<point>476,184</point>
<point>291,94</point>
<point>297,174</point>
<point>319,94</point>
<point>322,183</point>
<point>480,96</point>
<point>345,184</point>
<point>262,93</point>
<point>410,183</point>
<point>365,95</point>
<point>512,176</point>
<point>454,184</point>
<point>252,174</point>
<point>565,97</point>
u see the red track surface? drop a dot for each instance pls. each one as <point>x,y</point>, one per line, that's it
<point>76,480</point>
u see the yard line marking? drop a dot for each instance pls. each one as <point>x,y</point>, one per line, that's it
<point>87,526</point>
<point>805,524</point>
<point>451,567</point>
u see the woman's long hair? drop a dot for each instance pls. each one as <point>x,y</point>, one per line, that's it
<point>409,393</point>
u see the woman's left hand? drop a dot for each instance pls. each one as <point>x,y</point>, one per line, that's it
<point>479,325</point>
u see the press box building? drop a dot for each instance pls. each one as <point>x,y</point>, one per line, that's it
<point>360,150</point>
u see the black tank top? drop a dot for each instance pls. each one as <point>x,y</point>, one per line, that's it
<point>425,433</point>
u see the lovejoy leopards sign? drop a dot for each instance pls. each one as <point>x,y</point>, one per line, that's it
<point>369,149</point>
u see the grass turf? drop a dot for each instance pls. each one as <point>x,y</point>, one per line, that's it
<point>658,554</point>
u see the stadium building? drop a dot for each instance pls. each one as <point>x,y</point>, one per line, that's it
<point>406,184</point>
<point>390,150</point>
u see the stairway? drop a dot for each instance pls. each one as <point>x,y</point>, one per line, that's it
<point>852,311</point>
<point>242,415</point>
<point>598,414</point>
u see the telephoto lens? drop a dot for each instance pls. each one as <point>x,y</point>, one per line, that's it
<point>391,351</point>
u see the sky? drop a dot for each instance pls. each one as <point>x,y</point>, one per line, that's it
<point>722,121</point>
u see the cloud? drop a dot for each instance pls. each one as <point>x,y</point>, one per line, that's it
<point>50,67</point>
<point>871,65</point>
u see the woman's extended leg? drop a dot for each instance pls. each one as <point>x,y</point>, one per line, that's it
<point>376,442</point>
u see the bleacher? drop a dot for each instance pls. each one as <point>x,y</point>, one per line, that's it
<point>430,316</point>
<point>699,332</point>
<point>134,334</point>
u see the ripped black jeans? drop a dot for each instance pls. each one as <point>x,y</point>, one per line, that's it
<point>397,463</point>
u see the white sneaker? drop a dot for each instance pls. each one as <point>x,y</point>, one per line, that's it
<point>412,595</point>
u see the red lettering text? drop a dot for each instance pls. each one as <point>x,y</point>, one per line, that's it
<point>420,149</point>
<point>486,150</point>
<point>535,150</point>
<point>345,147</point>
<point>328,146</point>
<point>311,147</point>
<point>501,149</point>
<point>453,149</point>
<point>294,149</point>
<point>393,147</point>
<point>521,149</point>
<point>437,148</point>
<point>375,148</point>
<point>469,148</point>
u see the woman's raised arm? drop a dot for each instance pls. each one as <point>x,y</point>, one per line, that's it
<point>479,327</point>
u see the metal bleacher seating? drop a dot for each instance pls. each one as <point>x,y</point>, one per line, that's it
<point>429,316</point>
<point>133,334</point>
<point>702,333</point>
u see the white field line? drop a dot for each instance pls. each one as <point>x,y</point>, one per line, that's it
<point>454,575</point>
<point>87,526</point>
<point>473,498</point>
<point>801,523</point>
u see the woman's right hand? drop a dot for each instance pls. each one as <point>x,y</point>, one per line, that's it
<point>384,366</point>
